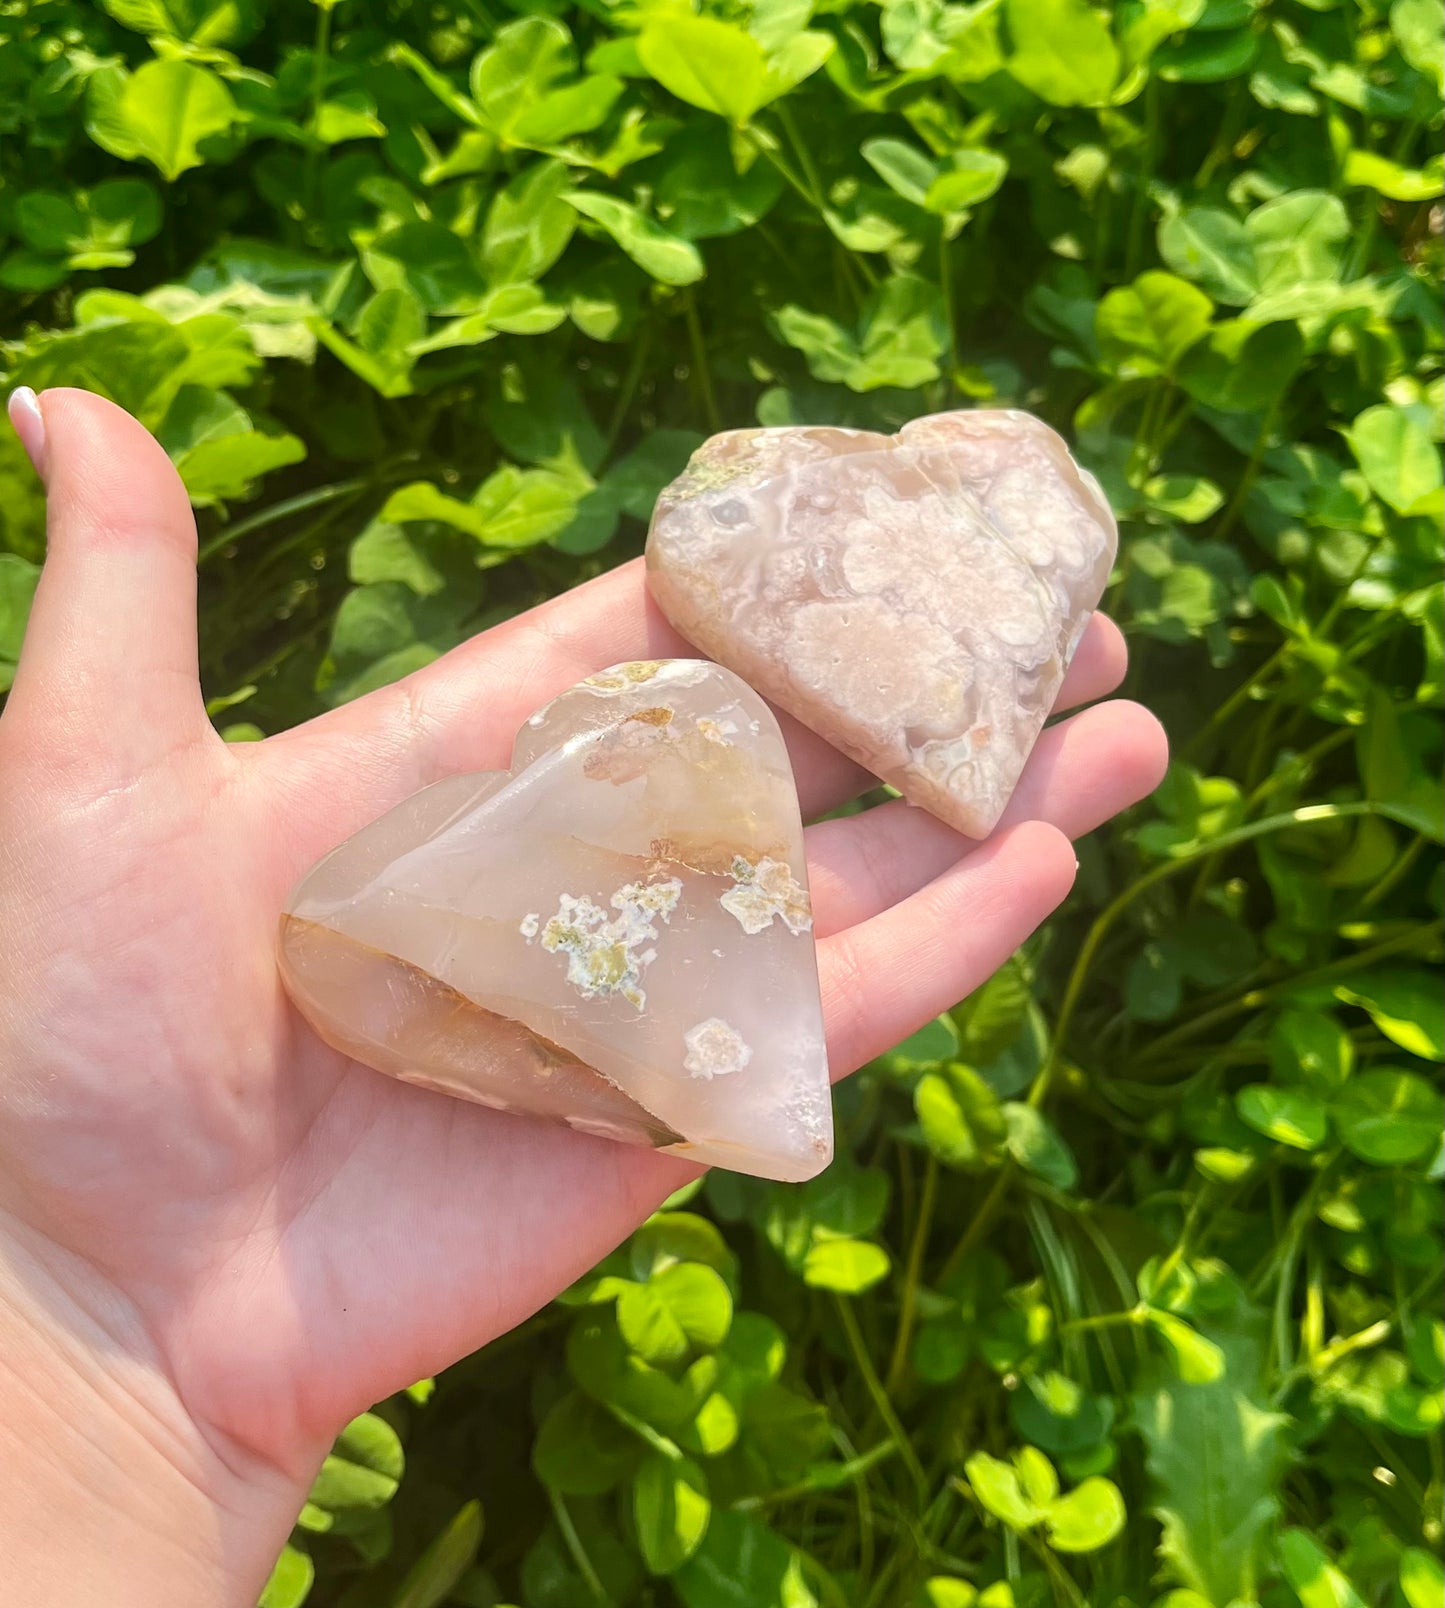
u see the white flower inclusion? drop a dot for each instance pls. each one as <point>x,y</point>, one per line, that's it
<point>605,955</point>
<point>715,1048</point>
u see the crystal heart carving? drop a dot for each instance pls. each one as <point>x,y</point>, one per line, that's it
<point>614,934</point>
<point>914,598</point>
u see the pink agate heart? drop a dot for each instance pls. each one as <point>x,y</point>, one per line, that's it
<point>915,598</point>
<point>614,934</point>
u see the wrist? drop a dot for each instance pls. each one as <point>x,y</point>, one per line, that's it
<point>109,1491</point>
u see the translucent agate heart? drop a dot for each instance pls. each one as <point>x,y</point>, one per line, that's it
<point>914,598</point>
<point>614,934</point>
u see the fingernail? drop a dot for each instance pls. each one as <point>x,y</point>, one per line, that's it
<point>29,423</point>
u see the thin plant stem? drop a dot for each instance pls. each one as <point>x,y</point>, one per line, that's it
<point>784,256</point>
<point>855,260</point>
<point>1170,429</point>
<point>853,1469</point>
<point>1140,460</point>
<point>1186,1233</point>
<point>1279,1267</point>
<point>277,512</point>
<point>878,1596</point>
<point>1303,766</point>
<point>1011,1555</point>
<point>1224,139</point>
<point>1107,1254</point>
<point>1129,1318</point>
<point>945,282</point>
<point>293,644</point>
<point>1256,997</point>
<point>808,188</point>
<point>982,1219</point>
<point>765,148</point>
<point>701,367</point>
<point>874,1386</point>
<point>1245,484</point>
<point>1065,1588</point>
<point>1102,219</point>
<point>864,1502</point>
<point>308,535</point>
<point>800,150</point>
<point>913,1274</point>
<point>1237,699</point>
<point>573,1542</point>
<point>630,381</point>
<point>483,15</point>
<point>1341,597</point>
<point>1153,450</point>
<point>1139,206</point>
<point>1331,1357</point>
<point>1365,236</point>
<point>320,55</point>
<point>1308,815</point>
<point>1401,868</point>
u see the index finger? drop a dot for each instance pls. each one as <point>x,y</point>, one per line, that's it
<point>462,712</point>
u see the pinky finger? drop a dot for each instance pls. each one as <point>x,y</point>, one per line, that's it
<point>886,977</point>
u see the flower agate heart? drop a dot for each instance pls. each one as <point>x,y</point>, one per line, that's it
<point>614,934</point>
<point>915,598</point>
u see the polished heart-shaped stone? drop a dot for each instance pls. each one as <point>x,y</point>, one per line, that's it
<point>614,934</point>
<point>913,598</point>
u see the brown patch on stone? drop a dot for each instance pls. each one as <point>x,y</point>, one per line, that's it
<point>712,857</point>
<point>626,751</point>
<point>622,677</point>
<point>454,1019</point>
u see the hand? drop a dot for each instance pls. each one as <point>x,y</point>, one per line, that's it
<point>219,1239</point>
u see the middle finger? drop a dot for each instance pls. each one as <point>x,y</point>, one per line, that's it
<point>1081,772</point>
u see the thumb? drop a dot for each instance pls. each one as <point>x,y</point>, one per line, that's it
<point>108,673</point>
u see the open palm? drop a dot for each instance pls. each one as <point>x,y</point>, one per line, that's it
<point>206,1209</point>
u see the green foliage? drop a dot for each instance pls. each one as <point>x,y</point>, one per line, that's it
<point>1215,1454</point>
<point>1025,1495</point>
<point>1126,1280</point>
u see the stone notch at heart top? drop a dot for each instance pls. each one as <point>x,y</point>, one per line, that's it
<point>914,598</point>
<point>615,934</point>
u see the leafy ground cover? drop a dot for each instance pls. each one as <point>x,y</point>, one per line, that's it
<point>1127,1282</point>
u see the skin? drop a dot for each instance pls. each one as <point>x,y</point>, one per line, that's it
<point>219,1239</point>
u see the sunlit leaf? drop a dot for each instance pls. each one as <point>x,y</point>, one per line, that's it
<point>430,1580</point>
<point>1404,1004</point>
<point>1288,1116</point>
<point>1062,51</point>
<point>665,256</point>
<point>1000,1492</point>
<point>670,1508</point>
<point>1316,1581</point>
<point>1397,456</point>
<point>291,1580</point>
<point>1087,1518</point>
<point>743,1563</point>
<point>1422,1579</point>
<point>18,579</point>
<point>960,1115</point>
<point>170,108</point>
<point>361,1473</point>
<point>707,63</point>
<point>678,1309</point>
<point>847,1266</point>
<point>1389,1117</point>
<point>1216,1456</point>
<point>1035,1144</point>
